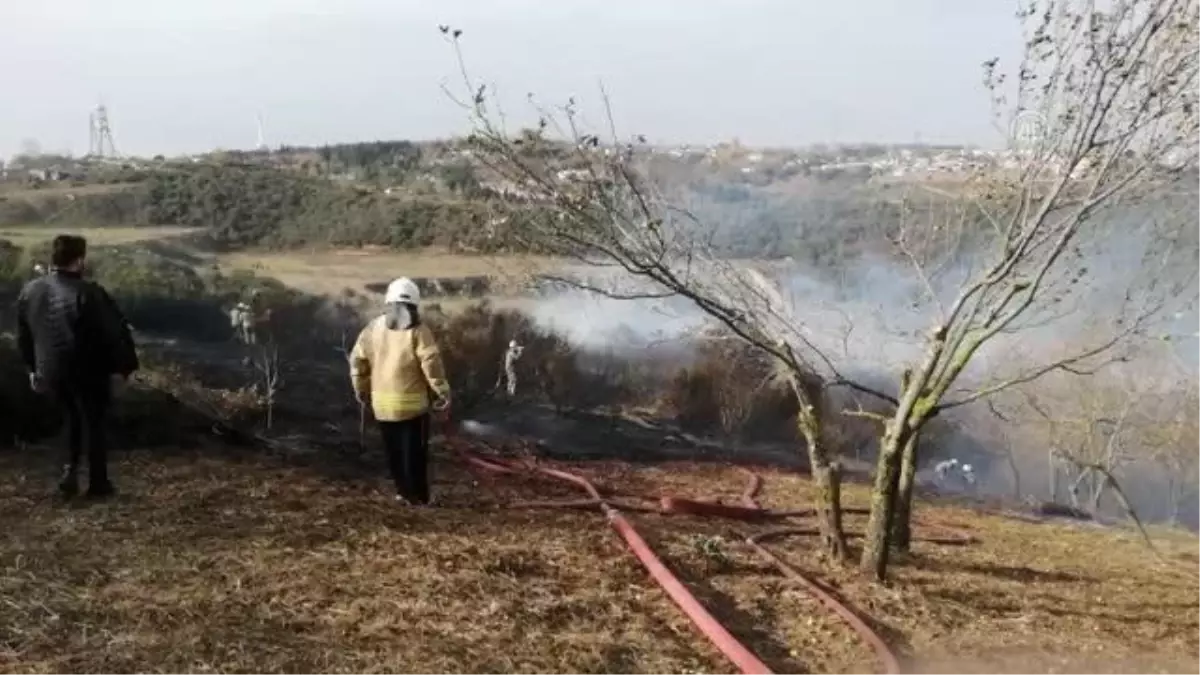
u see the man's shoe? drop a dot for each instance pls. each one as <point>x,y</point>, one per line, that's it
<point>101,490</point>
<point>68,484</point>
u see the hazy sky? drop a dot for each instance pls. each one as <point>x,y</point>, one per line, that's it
<point>185,76</point>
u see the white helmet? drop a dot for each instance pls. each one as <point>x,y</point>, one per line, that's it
<point>402,290</point>
<point>512,343</point>
<point>966,468</point>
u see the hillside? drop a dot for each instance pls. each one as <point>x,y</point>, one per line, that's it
<point>405,195</point>
<point>237,548</point>
<point>253,531</point>
<point>219,560</point>
<point>239,206</point>
<point>285,554</point>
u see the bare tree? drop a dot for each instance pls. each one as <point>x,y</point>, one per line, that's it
<point>629,240</point>
<point>1136,420</point>
<point>1179,467</point>
<point>1113,95</point>
<point>1105,103</point>
<point>1090,444</point>
<point>344,347</point>
<point>1174,431</point>
<point>1174,440</point>
<point>267,365</point>
<point>1006,442</point>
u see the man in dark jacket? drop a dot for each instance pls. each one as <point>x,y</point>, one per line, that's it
<point>77,347</point>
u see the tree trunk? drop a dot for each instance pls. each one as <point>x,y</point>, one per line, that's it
<point>902,518</point>
<point>876,539</point>
<point>1016,474</point>
<point>827,476</point>
<point>1053,473</point>
<point>1074,488</point>
<point>1098,485</point>
<point>1172,503</point>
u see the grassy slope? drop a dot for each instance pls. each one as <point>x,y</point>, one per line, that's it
<point>215,562</point>
<point>349,268</point>
<point>35,234</point>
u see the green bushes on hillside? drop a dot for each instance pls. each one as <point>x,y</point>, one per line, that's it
<point>156,293</point>
<point>124,207</point>
<point>246,205</point>
<point>243,205</point>
<point>11,257</point>
<point>240,205</point>
<point>160,295</point>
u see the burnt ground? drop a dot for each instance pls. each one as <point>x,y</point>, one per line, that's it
<point>225,553</point>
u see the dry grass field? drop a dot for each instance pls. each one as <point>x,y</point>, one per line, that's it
<point>210,561</point>
<point>328,272</point>
<point>35,234</point>
<point>218,560</point>
<point>320,272</point>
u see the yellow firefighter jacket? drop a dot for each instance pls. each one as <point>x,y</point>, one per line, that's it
<point>398,368</point>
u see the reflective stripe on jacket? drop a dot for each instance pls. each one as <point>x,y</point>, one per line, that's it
<point>399,368</point>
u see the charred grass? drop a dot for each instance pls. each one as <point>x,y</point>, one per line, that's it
<point>211,561</point>
<point>227,559</point>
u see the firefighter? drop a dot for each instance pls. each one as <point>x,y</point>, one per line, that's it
<point>943,468</point>
<point>243,319</point>
<point>252,317</point>
<point>968,474</point>
<point>396,368</point>
<point>235,322</point>
<point>511,355</point>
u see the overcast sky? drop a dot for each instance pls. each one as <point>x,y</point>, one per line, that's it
<point>187,76</point>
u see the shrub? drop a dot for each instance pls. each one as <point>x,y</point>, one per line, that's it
<point>11,259</point>
<point>730,389</point>
<point>473,342</point>
<point>121,206</point>
<point>144,416</point>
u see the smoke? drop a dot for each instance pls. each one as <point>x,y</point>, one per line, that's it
<point>479,429</point>
<point>594,322</point>
<point>871,312</point>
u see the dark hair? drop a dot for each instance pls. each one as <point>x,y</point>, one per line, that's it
<point>67,249</point>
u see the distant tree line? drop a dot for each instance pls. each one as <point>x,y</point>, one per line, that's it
<point>244,205</point>
<point>434,194</point>
<point>248,206</point>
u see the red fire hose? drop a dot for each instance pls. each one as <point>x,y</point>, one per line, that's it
<point>735,651</point>
<point>749,510</point>
<point>891,664</point>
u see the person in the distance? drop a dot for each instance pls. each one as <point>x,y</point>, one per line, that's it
<point>77,348</point>
<point>396,368</point>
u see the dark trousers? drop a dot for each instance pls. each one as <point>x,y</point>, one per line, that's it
<point>85,407</point>
<point>407,446</point>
